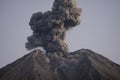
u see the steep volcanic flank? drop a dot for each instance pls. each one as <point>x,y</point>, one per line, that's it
<point>83,64</point>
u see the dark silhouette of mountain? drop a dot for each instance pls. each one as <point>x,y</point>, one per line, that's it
<point>83,64</point>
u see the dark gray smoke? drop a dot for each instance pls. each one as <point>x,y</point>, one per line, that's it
<point>49,28</point>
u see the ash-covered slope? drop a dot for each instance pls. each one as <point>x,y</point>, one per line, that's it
<point>83,64</point>
<point>33,66</point>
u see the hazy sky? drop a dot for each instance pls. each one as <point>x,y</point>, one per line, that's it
<point>99,29</point>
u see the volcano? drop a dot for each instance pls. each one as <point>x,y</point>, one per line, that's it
<point>83,64</point>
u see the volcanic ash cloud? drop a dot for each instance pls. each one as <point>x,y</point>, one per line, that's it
<point>49,28</point>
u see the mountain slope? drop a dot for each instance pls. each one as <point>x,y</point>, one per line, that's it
<point>92,66</point>
<point>83,64</point>
<point>29,67</point>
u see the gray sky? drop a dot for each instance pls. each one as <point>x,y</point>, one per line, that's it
<point>99,29</point>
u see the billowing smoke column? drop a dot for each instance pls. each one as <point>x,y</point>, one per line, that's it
<point>49,28</point>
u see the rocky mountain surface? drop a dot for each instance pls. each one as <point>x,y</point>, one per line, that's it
<point>83,64</point>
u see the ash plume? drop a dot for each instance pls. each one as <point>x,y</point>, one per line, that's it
<point>49,28</point>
